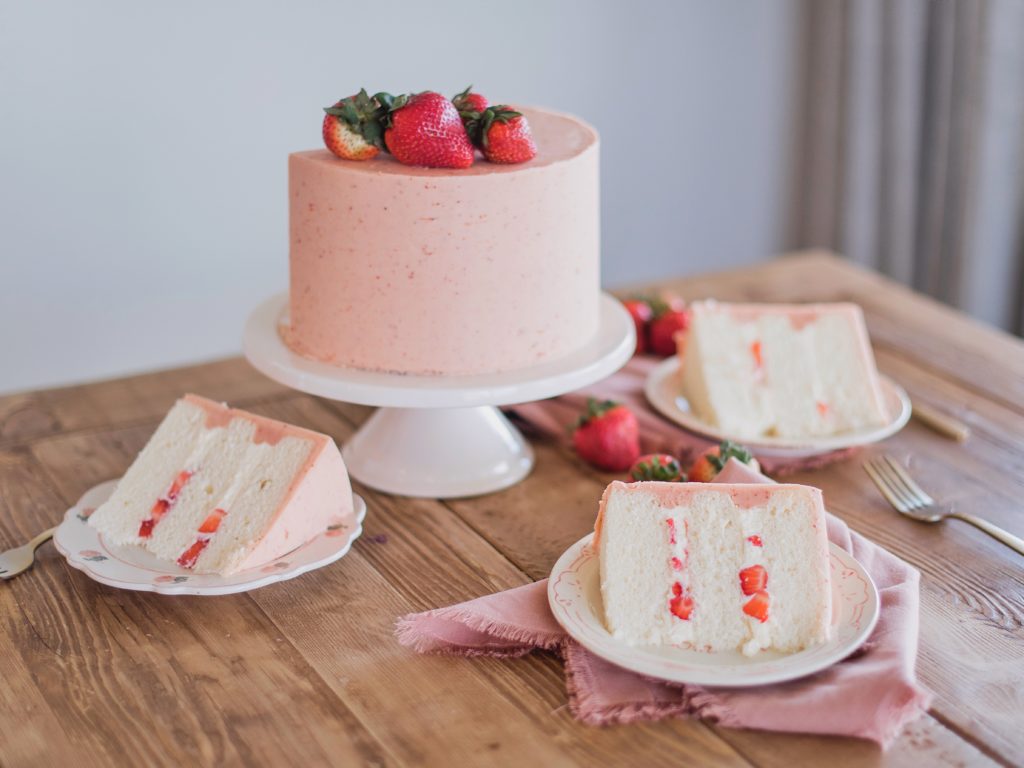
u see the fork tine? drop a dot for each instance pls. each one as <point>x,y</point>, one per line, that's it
<point>912,500</point>
<point>883,486</point>
<point>909,481</point>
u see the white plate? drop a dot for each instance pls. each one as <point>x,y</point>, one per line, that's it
<point>134,568</point>
<point>663,392</point>
<point>574,593</point>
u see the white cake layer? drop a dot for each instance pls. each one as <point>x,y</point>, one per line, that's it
<point>713,545</point>
<point>232,470</point>
<point>788,371</point>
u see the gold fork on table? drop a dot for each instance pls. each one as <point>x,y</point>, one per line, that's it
<point>907,497</point>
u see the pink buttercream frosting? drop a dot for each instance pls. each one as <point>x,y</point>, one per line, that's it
<point>439,271</point>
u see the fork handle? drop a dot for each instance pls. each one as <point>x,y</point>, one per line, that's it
<point>42,538</point>
<point>1013,542</point>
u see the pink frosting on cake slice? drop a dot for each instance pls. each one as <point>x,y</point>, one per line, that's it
<point>218,489</point>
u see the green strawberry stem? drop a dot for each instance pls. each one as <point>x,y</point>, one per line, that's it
<point>595,410</point>
<point>364,114</point>
<point>730,450</point>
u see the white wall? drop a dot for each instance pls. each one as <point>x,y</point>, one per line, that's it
<point>143,147</point>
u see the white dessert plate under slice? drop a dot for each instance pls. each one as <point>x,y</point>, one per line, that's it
<point>663,392</point>
<point>134,568</point>
<point>574,593</point>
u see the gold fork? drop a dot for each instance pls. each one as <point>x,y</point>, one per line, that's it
<point>908,499</point>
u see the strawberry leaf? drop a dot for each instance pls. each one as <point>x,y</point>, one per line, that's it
<point>729,450</point>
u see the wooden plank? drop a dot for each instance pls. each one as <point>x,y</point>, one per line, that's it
<point>146,679</point>
<point>120,402</point>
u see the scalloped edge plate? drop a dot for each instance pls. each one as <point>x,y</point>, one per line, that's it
<point>574,594</point>
<point>134,568</point>
<point>663,393</point>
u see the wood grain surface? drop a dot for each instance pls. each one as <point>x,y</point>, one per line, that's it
<point>307,672</point>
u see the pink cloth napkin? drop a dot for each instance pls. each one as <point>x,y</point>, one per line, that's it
<point>657,435</point>
<point>870,695</point>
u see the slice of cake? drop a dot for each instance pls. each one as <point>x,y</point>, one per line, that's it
<point>780,370</point>
<point>715,566</point>
<point>221,490</point>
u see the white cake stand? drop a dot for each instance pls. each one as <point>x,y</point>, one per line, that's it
<point>438,436</point>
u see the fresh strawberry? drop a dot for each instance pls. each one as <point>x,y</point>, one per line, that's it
<point>681,605</point>
<point>753,579</point>
<point>657,466</point>
<point>713,461</point>
<point>757,606</point>
<point>670,318</point>
<point>352,127</point>
<point>425,129</point>
<point>468,103</point>
<point>641,312</point>
<point>755,541</point>
<point>607,436</point>
<point>502,134</point>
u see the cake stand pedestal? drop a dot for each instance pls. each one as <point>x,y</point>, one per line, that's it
<point>438,436</point>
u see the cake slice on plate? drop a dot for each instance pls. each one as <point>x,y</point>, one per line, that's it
<point>715,566</point>
<point>785,370</point>
<point>220,490</point>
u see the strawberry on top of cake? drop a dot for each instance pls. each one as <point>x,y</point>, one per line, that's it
<point>715,566</point>
<point>427,129</point>
<point>221,490</point>
<point>801,370</point>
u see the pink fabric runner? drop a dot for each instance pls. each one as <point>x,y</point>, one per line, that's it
<point>870,695</point>
<point>657,435</point>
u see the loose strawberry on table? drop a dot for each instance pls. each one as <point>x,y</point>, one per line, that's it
<point>713,460</point>
<point>657,466</point>
<point>670,317</point>
<point>607,436</point>
<point>641,312</point>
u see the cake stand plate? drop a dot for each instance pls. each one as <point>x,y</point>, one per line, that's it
<point>438,436</point>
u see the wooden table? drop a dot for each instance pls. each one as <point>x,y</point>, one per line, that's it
<point>307,672</point>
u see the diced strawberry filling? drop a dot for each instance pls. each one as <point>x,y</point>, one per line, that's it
<point>755,350</point>
<point>212,521</point>
<point>681,605</point>
<point>757,606</point>
<point>671,530</point>
<point>753,579</point>
<point>207,528</point>
<point>163,504</point>
<point>677,564</point>
<point>189,556</point>
<point>755,540</point>
<point>822,409</point>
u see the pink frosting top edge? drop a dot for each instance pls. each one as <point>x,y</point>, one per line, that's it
<point>743,487</point>
<point>268,431</point>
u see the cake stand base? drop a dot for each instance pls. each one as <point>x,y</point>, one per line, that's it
<point>438,452</point>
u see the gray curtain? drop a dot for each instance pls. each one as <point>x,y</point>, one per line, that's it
<point>910,146</point>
